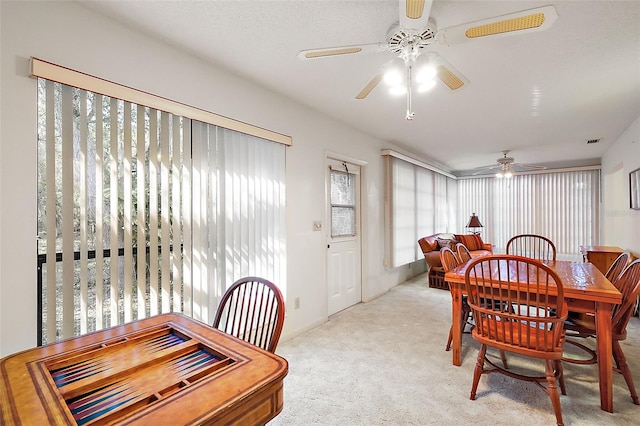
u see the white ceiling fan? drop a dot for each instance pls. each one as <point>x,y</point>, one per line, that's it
<point>410,37</point>
<point>507,166</point>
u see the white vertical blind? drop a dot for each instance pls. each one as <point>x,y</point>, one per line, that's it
<point>562,206</point>
<point>403,211</point>
<point>425,207</point>
<point>96,210</point>
<point>421,203</point>
<point>240,229</point>
<point>131,226</point>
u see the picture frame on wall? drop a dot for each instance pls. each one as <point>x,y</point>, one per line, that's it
<point>634,189</point>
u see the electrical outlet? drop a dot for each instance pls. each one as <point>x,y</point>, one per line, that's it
<point>296,303</point>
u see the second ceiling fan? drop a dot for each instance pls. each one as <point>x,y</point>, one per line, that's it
<point>507,166</point>
<point>410,37</point>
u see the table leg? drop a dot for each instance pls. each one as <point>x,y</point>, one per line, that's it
<point>456,322</point>
<point>604,350</point>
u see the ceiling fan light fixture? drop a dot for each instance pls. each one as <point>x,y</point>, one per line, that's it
<point>426,86</point>
<point>394,72</point>
<point>425,74</point>
<point>393,78</point>
<point>506,171</point>
<point>398,90</point>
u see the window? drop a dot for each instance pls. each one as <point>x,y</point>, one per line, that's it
<point>420,202</point>
<point>141,211</point>
<point>343,203</point>
<point>562,206</point>
<point>110,211</point>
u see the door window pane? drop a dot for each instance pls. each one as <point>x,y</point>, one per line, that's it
<point>343,199</point>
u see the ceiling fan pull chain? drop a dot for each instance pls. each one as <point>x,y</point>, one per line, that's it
<point>410,113</point>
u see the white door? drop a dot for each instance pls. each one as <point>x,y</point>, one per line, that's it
<point>343,235</point>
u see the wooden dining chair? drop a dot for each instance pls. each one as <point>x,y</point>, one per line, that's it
<point>527,321</point>
<point>449,261</point>
<point>628,283</point>
<point>574,319</point>
<point>464,255</point>
<point>533,246</point>
<point>616,268</point>
<point>252,309</point>
<point>612,274</point>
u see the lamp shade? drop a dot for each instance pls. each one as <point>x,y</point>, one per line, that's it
<point>474,222</point>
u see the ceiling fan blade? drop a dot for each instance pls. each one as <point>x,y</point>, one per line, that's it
<point>369,87</point>
<point>414,14</point>
<point>485,169</point>
<point>341,50</point>
<point>530,166</point>
<point>531,20</point>
<point>450,76</point>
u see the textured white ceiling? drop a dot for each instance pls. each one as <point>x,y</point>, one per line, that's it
<point>540,95</point>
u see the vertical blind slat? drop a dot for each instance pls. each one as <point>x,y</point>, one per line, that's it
<point>196,217</point>
<point>154,296</point>
<point>83,214</point>
<point>165,141</point>
<point>113,212</point>
<point>141,235</point>
<point>99,216</point>
<point>187,228</point>
<point>68,320</point>
<point>128,233</point>
<point>176,214</point>
<point>51,212</point>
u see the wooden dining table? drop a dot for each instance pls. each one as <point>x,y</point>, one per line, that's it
<point>164,370</point>
<point>586,290</point>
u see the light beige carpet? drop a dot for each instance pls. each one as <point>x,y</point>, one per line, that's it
<point>384,363</point>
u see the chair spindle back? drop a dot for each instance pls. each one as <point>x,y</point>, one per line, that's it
<point>533,246</point>
<point>252,309</point>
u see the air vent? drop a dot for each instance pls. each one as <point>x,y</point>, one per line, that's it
<point>589,141</point>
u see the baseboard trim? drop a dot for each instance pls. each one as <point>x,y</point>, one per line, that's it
<point>290,335</point>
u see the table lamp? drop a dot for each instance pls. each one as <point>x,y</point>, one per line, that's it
<point>474,224</point>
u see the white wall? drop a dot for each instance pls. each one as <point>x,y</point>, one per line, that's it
<point>71,35</point>
<point>621,225</point>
